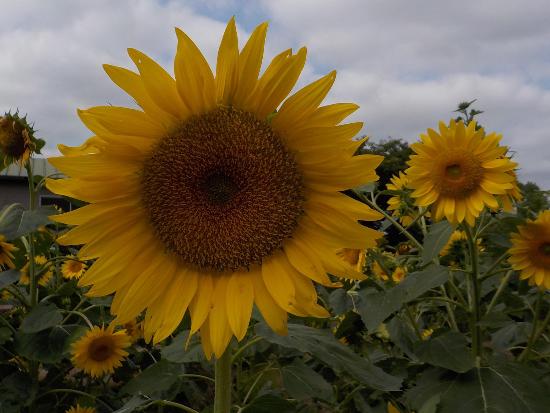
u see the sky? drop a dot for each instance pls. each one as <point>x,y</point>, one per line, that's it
<point>406,63</point>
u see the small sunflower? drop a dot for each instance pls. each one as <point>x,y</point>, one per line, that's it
<point>456,245</point>
<point>399,204</point>
<point>378,271</point>
<point>80,409</point>
<point>17,141</point>
<point>73,268</point>
<point>221,194</point>
<point>42,267</point>
<point>398,274</point>
<point>459,171</point>
<point>134,330</point>
<point>6,253</point>
<point>530,252</point>
<point>354,257</point>
<point>100,350</point>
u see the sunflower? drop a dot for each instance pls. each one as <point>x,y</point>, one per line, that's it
<point>79,409</point>
<point>378,271</point>
<point>134,330</point>
<point>512,195</point>
<point>17,140</point>
<point>100,350</point>
<point>398,274</point>
<point>73,268</point>
<point>459,171</point>
<point>220,195</point>
<point>6,253</point>
<point>530,252</point>
<point>353,256</point>
<point>399,204</point>
<point>42,267</point>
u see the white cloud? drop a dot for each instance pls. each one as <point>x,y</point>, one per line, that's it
<point>406,63</point>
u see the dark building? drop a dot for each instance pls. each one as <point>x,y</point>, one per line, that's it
<point>14,185</point>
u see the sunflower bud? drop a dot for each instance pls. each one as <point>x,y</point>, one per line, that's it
<point>16,139</point>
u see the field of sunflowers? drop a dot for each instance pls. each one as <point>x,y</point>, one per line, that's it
<point>234,250</point>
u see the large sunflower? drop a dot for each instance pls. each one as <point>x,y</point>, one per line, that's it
<point>459,171</point>
<point>217,195</point>
<point>100,350</point>
<point>530,252</point>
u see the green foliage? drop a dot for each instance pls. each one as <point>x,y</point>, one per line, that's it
<point>534,200</point>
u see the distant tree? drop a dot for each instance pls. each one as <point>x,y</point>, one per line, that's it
<point>396,153</point>
<point>534,200</point>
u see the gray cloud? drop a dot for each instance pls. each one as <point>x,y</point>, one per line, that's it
<point>406,63</point>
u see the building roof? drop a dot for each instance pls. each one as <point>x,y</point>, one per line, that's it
<point>40,166</point>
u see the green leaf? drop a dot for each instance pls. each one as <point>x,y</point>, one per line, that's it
<point>8,277</point>
<point>41,317</point>
<point>375,307</point>
<point>449,350</point>
<point>47,346</point>
<point>154,380</point>
<point>322,345</point>
<point>177,352</point>
<point>500,388</point>
<point>10,217</point>
<point>5,334</point>
<point>438,235</point>
<point>31,220</point>
<point>302,382</point>
<point>17,387</point>
<point>269,403</point>
<point>132,404</point>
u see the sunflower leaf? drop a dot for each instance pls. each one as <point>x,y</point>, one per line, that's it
<point>8,277</point>
<point>449,350</point>
<point>41,317</point>
<point>375,307</point>
<point>502,387</point>
<point>322,345</point>
<point>154,380</point>
<point>302,382</point>
<point>438,235</point>
<point>268,403</point>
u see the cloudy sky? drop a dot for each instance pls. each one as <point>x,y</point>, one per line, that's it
<point>407,63</point>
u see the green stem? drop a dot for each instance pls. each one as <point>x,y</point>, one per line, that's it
<point>171,404</point>
<point>244,348</point>
<point>496,263</point>
<point>396,224</point>
<point>222,397</point>
<point>532,337</point>
<point>413,322</point>
<point>500,289</point>
<point>197,376</point>
<point>80,393</point>
<point>475,311</point>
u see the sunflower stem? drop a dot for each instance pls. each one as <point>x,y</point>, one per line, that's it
<point>222,397</point>
<point>524,356</point>
<point>475,311</point>
<point>500,289</point>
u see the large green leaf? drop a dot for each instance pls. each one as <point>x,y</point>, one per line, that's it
<point>8,277</point>
<point>322,344</point>
<point>16,222</point>
<point>269,403</point>
<point>47,346</point>
<point>449,350</point>
<point>41,317</point>
<point>179,352</point>
<point>302,382</point>
<point>438,235</point>
<point>500,388</point>
<point>155,379</point>
<point>375,307</point>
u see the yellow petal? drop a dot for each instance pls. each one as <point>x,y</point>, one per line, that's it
<point>227,65</point>
<point>273,315</point>
<point>194,79</point>
<point>239,299</point>
<point>202,302</point>
<point>160,86</point>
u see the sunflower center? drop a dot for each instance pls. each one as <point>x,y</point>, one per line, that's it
<point>453,171</point>
<point>222,192</point>
<point>12,141</point>
<point>545,249</point>
<point>461,174</point>
<point>75,266</point>
<point>101,349</point>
